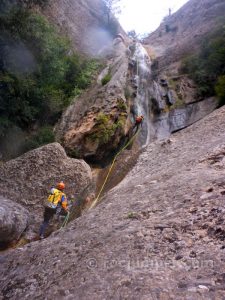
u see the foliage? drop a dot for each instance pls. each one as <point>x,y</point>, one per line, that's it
<point>206,67</point>
<point>220,89</point>
<point>106,79</point>
<point>105,129</point>
<point>121,105</point>
<point>44,136</point>
<point>31,3</point>
<point>39,73</point>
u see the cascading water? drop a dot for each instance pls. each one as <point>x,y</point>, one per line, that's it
<point>149,100</point>
<point>142,79</point>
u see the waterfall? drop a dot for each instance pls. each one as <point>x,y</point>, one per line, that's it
<point>150,98</point>
<point>142,81</point>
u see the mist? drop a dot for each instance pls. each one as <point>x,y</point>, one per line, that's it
<point>16,58</point>
<point>98,40</point>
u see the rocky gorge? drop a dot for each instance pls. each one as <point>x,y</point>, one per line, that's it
<point>157,232</point>
<point>158,235</point>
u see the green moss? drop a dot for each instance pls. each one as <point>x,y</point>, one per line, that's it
<point>132,215</point>
<point>179,103</point>
<point>121,105</point>
<point>106,79</point>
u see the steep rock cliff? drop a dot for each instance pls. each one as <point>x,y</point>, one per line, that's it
<point>175,100</point>
<point>83,21</point>
<point>183,31</point>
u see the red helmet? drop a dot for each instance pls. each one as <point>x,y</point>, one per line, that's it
<point>139,119</point>
<point>61,185</point>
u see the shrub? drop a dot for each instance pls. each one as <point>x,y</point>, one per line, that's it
<point>220,89</point>
<point>44,136</point>
<point>105,129</point>
<point>121,105</point>
<point>208,65</point>
<point>106,79</point>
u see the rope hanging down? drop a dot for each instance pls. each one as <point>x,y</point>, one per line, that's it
<point>111,167</point>
<point>65,220</point>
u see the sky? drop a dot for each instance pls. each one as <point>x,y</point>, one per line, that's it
<point>144,16</point>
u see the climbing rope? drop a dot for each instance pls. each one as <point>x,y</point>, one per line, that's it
<point>65,220</point>
<point>111,167</point>
<point>79,200</point>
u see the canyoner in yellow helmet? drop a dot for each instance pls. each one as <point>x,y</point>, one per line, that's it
<point>56,202</point>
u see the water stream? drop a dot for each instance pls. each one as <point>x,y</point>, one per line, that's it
<point>142,81</point>
<point>148,98</point>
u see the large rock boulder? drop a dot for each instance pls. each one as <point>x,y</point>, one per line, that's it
<point>94,124</point>
<point>13,220</point>
<point>28,178</point>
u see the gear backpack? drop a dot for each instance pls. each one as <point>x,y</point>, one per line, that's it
<point>54,198</point>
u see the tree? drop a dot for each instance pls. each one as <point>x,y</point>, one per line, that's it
<point>132,34</point>
<point>111,8</point>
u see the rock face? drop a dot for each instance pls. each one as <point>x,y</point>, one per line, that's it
<point>183,31</point>
<point>174,101</point>
<point>93,125</point>
<point>158,235</point>
<point>84,21</point>
<point>28,178</point>
<point>96,125</point>
<point>13,220</point>
<point>101,120</point>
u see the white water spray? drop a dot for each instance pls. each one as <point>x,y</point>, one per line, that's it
<point>142,81</point>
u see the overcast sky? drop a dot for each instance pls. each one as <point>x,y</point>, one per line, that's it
<point>144,16</point>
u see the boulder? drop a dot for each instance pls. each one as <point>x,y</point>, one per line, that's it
<point>28,178</point>
<point>13,220</point>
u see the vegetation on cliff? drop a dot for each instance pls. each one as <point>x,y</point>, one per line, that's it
<point>207,68</point>
<point>39,74</point>
<point>106,128</point>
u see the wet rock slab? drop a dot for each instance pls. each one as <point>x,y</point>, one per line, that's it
<point>158,235</point>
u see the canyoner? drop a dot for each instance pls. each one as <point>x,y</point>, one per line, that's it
<point>56,204</point>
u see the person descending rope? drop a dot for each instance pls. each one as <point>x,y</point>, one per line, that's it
<point>56,201</point>
<point>138,123</point>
